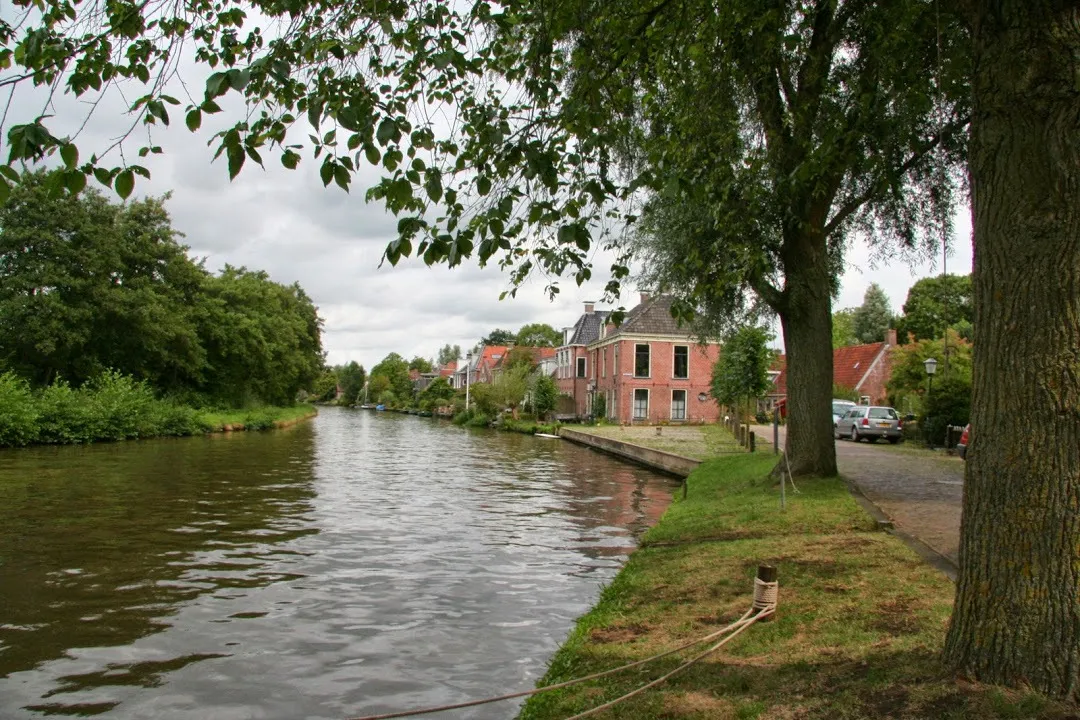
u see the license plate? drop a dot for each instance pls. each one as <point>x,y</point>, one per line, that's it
<point>883,424</point>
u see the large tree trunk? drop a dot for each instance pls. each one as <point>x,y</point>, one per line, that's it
<point>807,323</point>
<point>1017,614</point>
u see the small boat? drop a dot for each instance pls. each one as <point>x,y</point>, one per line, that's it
<point>380,407</point>
<point>545,435</point>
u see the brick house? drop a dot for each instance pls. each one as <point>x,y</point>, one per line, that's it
<point>571,359</point>
<point>647,370</point>
<point>863,368</point>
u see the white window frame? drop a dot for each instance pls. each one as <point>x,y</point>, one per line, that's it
<point>634,404</point>
<point>583,372</point>
<point>673,349</point>
<point>636,346</point>
<point>685,400</point>
<point>603,365</point>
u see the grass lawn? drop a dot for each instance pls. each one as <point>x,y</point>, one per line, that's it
<point>860,622</point>
<point>693,441</point>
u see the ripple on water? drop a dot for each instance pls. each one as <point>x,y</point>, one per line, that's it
<point>360,563</point>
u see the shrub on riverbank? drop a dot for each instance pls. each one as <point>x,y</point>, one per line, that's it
<point>858,632</point>
<point>528,427</point>
<point>113,407</point>
<point>472,418</point>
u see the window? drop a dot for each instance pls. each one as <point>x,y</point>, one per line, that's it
<point>678,404</point>
<point>681,366</point>
<point>581,367</point>
<point>883,414</point>
<point>641,403</point>
<point>603,368</point>
<point>641,361</point>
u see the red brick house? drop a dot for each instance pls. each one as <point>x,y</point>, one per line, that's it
<point>647,370</point>
<point>483,370</point>
<point>863,368</point>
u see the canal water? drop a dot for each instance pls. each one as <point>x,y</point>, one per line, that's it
<point>359,563</point>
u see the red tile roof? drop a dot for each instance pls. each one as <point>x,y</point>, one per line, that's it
<point>851,363</point>
<point>448,369</point>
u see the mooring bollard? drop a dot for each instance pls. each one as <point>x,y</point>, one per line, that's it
<point>765,590</point>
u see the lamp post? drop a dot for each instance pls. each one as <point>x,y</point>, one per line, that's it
<point>931,367</point>
<point>468,371</point>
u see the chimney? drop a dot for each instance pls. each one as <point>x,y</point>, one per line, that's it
<point>589,306</point>
<point>566,333</point>
<point>644,298</point>
<point>890,337</point>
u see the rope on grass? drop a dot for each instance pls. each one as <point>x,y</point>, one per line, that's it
<point>764,604</point>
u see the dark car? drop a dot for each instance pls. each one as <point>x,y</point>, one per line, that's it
<point>961,447</point>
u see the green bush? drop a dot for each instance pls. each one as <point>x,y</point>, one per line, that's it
<point>120,405</point>
<point>948,404</point>
<point>18,414</point>
<point>64,415</point>
<point>167,418</point>
<point>259,420</point>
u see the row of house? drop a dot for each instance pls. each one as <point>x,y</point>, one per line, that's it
<point>649,370</point>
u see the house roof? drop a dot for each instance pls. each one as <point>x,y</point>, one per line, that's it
<point>448,369</point>
<point>851,363</point>
<point>538,354</point>
<point>490,355</point>
<point>587,328</point>
<point>651,317</point>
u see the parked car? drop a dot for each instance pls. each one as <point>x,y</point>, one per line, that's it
<point>870,422</point>
<point>961,447</point>
<point>840,409</point>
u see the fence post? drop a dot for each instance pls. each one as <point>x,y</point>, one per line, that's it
<point>752,441</point>
<point>776,432</point>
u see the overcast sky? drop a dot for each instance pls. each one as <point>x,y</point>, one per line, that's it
<point>287,223</point>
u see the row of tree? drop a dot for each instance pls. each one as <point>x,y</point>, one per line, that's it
<point>933,304</point>
<point>87,285</point>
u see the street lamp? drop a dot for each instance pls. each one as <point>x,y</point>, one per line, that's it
<point>468,369</point>
<point>931,368</point>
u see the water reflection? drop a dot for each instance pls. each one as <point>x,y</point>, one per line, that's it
<point>356,564</point>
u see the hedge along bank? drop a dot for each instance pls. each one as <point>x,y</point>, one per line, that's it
<point>858,632</point>
<point>116,407</point>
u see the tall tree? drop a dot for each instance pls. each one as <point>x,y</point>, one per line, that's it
<point>843,328</point>
<point>395,369</point>
<point>538,335</point>
<point>498,337</point>
<point>788,123</point>
<point>420,364</point>
<point>935,303</point>
<point>351,378</point>
<point>449,353</point>
<point>874,317</point>
<point>1015,619</point>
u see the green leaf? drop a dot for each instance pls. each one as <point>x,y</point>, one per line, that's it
<point>386,131</point>
<point>236,155</point>
<point>10,173</point>
<point>372,153</point>
<point>341,177</point>
<point>70,154</point>
<point>5,191</point>
<point>434,186</point>
<point>125,183</point>
<point>326,172</point>
<point>290,159</point>
<point>103,176</point>
<point>214,85</point>
<point>194,120</point>
<point>483,185</point>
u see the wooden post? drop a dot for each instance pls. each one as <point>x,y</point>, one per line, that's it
<point>752,443</point>
<point>776,431</point>
<point>767,573</point>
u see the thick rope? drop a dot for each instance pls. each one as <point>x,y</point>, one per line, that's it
<point>765,595</point>
<point>747,619</point>
<point>679,669</point>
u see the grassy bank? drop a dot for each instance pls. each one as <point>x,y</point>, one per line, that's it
<point>860,624</point>
<point>115,407</point>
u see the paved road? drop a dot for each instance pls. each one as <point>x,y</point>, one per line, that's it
<point>921,492</point>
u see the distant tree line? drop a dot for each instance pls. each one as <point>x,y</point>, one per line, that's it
<point>88,286</point>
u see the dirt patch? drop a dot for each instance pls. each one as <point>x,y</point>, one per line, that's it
<point>618,633</point>
<point>896,617</point>
<point>697,704</point>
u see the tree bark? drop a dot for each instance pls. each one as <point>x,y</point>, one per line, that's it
<point>1017,615</point>
<point>807,324</point>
